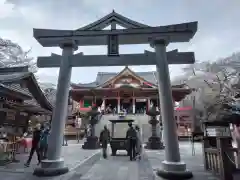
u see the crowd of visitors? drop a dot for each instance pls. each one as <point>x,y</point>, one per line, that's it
<point>40,134</point>
<point>110,109</point>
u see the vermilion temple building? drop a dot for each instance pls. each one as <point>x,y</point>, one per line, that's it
<point>127,89</point>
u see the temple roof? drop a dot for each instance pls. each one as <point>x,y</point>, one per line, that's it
<point>8,91</point>
<point>142,83</point>
<point>103,77</point>
<point>22,82</point>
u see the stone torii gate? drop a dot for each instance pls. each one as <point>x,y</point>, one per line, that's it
<point>135,33</point>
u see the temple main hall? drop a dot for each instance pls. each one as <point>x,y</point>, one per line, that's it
<point>129,91</point>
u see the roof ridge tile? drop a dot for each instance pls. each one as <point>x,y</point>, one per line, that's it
<point>16,69</point>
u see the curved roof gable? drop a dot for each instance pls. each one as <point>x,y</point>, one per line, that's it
<point>108,19</point>
<point>103,77</point>
<point>127,71</point>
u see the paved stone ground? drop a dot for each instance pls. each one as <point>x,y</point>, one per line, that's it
<point>194,163</point>
<point>118,168</point>
<point>73,155</point>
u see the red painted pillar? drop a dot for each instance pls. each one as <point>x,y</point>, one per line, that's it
<point>148,104</point>
<point>80,104</point>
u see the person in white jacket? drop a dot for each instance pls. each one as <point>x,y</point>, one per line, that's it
<point>139,142</point>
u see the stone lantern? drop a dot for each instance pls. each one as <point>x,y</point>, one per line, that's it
<point>154,142</point>
<point>92,140</point>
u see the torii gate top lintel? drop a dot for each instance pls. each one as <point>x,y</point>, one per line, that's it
<point>135,32</point>
<point>113,16</point>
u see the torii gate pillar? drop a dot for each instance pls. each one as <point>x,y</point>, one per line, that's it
<point>54,164</point>
<point>172,163</point>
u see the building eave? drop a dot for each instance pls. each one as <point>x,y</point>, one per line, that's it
<point>13,93</point>
<point>22,75</point>
<point>29,108</point>
<point>144,89</point>
<point>83,85</point>
<point>38,94</point>
<point>178,93</point>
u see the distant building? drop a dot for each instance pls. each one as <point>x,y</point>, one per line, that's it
<point>20,99</point>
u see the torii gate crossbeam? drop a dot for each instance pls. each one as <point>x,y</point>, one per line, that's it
<point>148,58</point>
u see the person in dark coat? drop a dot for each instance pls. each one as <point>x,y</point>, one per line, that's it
<point>35,145</point>
<point>104,139</point>
<point>131,136</point>
<point>44,143</point>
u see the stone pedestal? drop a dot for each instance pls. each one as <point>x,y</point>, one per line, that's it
<point>154,142</point>
<point>51,168</point>
<point>92,140</point>
<point>176,170</point>
<point>91,143</point>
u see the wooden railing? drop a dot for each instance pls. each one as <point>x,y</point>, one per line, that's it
<point>220,160</point>
<point>212,161</point>
<point>8,151</point>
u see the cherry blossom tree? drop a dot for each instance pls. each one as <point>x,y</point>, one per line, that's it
<point>216,82</point>
<point>13,55</point>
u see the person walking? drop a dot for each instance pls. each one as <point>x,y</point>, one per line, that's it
<point>35,145</point>
<point>44,143</point>
<point>78,125</point>
<point>131,136</point>
<point>138,143</point>
<point>104,140</point>
<point>65,140</point>
<point>114,111</point>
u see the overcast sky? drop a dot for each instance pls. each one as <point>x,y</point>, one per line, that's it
<point>218,33</point>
